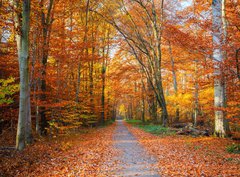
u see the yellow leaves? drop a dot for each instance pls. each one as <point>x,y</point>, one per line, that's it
<point>122,109</point>
<point>51,60</point>
<point>7,89</point>
<point>185,102</point>
<point>65,146</point>
<point>182,101</point>
<point>206,97</point>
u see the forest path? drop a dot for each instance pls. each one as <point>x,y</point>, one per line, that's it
<point>133,159</point>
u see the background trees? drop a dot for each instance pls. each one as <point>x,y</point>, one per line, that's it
<point>90,61</point>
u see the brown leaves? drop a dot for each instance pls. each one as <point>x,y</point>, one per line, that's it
<point>186,156</point>
<point>74,155</point>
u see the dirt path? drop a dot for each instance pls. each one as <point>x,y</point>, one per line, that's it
<point>133,159</point>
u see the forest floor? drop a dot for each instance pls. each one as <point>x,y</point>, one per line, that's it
<point>121,150</point>
<point>190,156</point>
<point>84,154</point>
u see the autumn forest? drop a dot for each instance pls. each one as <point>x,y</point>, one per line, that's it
<point>119,88</point>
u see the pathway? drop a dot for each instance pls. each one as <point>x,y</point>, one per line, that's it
<point>133,159</point>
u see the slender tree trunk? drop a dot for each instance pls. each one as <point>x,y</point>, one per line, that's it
<point>47,20</point>
<point>219,84</point>
<point>175,86</point>
<point>158,39</point>
<point>35,81</point>
<point>151,103</point>
<point>28,127</point>
<point>78,82</point>
<point>37,88</point>
<point>196,99</point>
<point>84,52</point>
<point>196,85</point>
<point>103,72</point>
<point>237,63</point>
<point>91,81</point>
<point>103,95</point>
<point>43,88</point>
<point>22,24</point>
<point>143,102</point>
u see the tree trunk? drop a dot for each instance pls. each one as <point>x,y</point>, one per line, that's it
<point>78,82</point>
<point>28,127</point>
<point>158,78</point>
<point>22,24</point>
<point>196,85</point>
<point>219,83</point>
<point>143,103</point>
<point>103,95</point>
<point>196,99</point>
<point>47,20</point>
<point>175,86</point>
<point>103,88</point>
<point>91,81</point>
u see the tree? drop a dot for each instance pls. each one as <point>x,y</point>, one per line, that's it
<point>218,57</point>
<point>141,43</point>
<point>22,26</point>
<point>46,21</point>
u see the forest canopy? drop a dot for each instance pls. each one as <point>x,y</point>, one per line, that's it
<point>83,63</point>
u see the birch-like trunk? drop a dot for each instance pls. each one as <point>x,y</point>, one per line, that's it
<point>219,84</point>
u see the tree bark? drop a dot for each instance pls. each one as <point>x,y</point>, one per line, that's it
<point>47,20</point>
<point>219,83</point>
<point>175,86</point>
<point>22,25</point>
<point>196,95</point>
<point>143,99</point>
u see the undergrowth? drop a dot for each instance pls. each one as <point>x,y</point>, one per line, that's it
<point>107,123</point>
<point>151,128</point>
<point>233,148</point>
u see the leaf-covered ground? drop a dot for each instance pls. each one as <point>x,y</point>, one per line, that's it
<point>93,153</point>
<point>132,158</point>
<point>187,156</point>
<point>75,155</point>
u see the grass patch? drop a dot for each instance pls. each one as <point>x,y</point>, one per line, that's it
<point>154,129</point>
<point>233,148</point>
<point>151,128</point>
<point>134,122</point>
<point>229,159</point>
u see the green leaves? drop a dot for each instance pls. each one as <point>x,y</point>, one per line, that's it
<point>7,89</point>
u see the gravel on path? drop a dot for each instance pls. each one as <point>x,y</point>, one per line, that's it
<point>133,159</point>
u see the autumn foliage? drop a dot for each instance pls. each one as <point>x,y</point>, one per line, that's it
<point>90,62</point>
